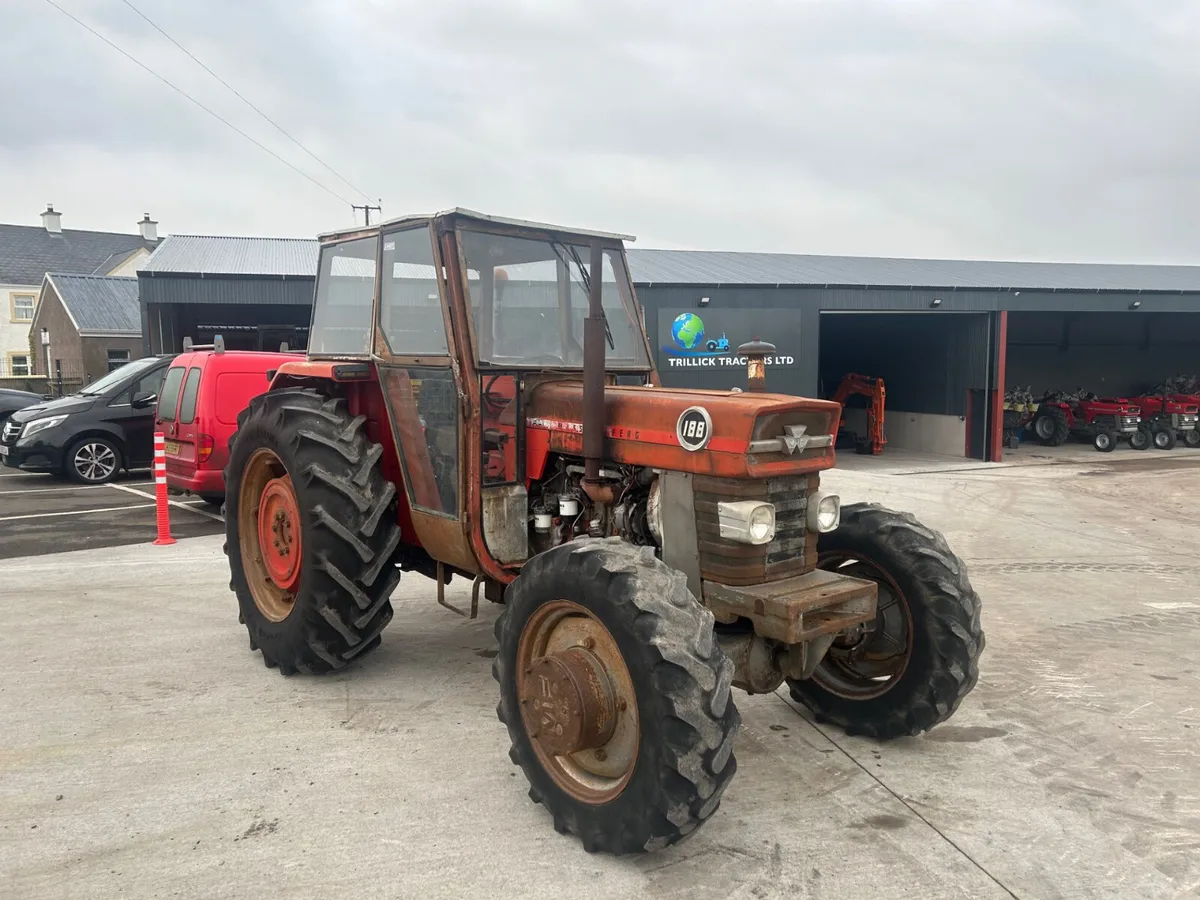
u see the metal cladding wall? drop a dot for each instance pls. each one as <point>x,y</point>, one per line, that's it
<point>790,318</point>
<point>171,304</point>
<point>225,290</point>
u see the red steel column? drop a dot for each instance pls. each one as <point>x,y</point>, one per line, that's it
<point>160,491</point>
<point>997,435</point>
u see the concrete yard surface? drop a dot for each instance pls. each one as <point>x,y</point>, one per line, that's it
<point>148,753</point>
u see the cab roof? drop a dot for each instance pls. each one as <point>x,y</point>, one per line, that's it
<point>451,216</point>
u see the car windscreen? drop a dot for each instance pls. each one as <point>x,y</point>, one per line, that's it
<point>119,376</point>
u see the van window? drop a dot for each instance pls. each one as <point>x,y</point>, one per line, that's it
<point>187,406</point>
<point>168,400</point>
<point>234,390</point>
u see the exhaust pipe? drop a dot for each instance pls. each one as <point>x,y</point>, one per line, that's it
<point>593,381</point>
<point>756,353</point>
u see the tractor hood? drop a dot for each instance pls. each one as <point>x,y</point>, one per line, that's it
<point>722,433</point>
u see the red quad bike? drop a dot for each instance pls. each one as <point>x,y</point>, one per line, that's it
<point>1103,422</point>
<point>1170,417</point>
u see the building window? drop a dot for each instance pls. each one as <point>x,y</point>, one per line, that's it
<point>117,358</point>
<point>18,365</point>
<point>22,307</point>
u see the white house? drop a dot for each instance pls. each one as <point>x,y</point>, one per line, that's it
<point>28,252</point>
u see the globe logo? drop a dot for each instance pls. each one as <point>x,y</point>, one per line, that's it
<point>687,330</point>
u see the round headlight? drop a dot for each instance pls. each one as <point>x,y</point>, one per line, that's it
<point>762,524</point>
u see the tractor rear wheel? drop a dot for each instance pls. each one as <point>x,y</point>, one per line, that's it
<point>1141,439</point>
<point>1164,437</point>
<point>616,695</point>
<point>1051,428</point>
<point>1105,440</point>
<point>310,531</point>
<point>909,669</point>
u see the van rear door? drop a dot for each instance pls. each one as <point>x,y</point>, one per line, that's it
<point>186,449</point>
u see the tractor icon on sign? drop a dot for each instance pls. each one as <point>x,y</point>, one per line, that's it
<point>718,345</point>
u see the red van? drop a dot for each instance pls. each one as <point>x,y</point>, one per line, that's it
<point>198,406</point>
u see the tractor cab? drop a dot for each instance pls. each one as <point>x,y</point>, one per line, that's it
<point>460,317</point>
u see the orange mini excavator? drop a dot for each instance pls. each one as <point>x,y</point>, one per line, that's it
<point>872,388</point>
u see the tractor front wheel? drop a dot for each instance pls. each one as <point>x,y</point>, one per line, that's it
<point>616,695</point>
<point>1105,440</point>
<point>310,531</point>
<point>1164,437</point>
<point>909,669</point>
<point>1141,439</point>
<point>1192,438</point>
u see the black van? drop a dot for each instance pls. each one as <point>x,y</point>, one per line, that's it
<point>94,434</point>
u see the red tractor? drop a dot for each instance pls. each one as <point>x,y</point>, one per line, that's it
<point>1169,418</point>
<point>1103,422</point>
<point>479,402</point>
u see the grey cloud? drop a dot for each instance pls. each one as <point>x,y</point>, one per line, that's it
<point>1062,129</point>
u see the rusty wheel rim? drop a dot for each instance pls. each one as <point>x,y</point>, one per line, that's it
<point>269,534</point>
<point>577,700</point>
<point>868,662</point>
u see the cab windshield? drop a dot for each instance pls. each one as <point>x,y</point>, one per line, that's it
<point>529,297</point>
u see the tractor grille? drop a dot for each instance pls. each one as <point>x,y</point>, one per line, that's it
<point>1185,421</point>
<point>1128,423</point>
<point>11,432</point>
<point>792,552</point>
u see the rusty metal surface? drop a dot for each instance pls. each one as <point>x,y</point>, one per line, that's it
<point>262,468</point>
<point>506,522</point>
<point>792,551</point>
<point>569,702</point>
<point>600,771</point>
<point>795,609</point>
<point>641,425</point>
<point>593,371</point>
<point>756,353</point>
<point>755,668</point>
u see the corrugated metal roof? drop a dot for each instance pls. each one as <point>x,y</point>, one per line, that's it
<point>190,254</point>
<point>722,267</point>
<point>28,252</point>
<point>100,304</point>
<point>204,255</point>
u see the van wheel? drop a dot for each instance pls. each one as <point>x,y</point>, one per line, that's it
<point>216,501</point>
<point>93,460</point>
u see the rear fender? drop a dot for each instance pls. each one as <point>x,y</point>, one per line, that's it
<point>356,382</point>
<point>311,373</point>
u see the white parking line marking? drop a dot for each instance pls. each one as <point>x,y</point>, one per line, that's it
<point>199,512</point>
<point>78,487</point>
<point>76,512</point>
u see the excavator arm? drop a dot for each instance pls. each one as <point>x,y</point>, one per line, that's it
<point>873,389</point>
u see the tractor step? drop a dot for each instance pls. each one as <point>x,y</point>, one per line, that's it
<point>796,609</point>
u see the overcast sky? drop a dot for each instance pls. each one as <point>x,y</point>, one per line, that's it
<point>1014,129</point>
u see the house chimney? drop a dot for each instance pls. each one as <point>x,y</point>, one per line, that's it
<point>52,220</point>
<point>148,227</point>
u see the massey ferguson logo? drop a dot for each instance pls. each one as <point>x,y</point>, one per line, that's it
<point>694,428</point>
